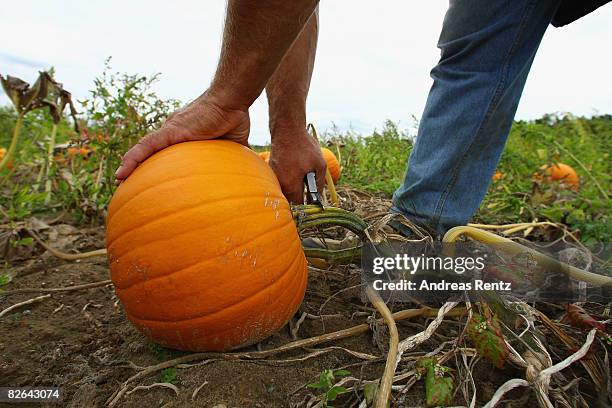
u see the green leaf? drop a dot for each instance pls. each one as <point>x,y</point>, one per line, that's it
<point>334,392</point>
<point>341,373</point>
<point>487,336</point>
<point>326,378</point>
<point>23,242</point>
<point>4,279</point>
<point>438,388</point>
<point>438,384</point>
<point>542,153</point>
<point>168,375</point>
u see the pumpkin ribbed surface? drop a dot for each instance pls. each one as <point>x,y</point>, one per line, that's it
<point>203,250</point>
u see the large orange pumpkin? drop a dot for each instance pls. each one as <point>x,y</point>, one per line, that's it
<point>332,163</point>
<point>203,249</point>
<point>564,174</point>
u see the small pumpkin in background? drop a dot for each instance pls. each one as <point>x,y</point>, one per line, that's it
<point>9,165</point>
<point>559,172</point>
<point>72,151</point>
<point>498,176</point>
<point>203,250</point>
<point>332,163</point>
<point>565,174</point>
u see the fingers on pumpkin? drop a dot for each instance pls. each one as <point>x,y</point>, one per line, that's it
<point>148,145</point>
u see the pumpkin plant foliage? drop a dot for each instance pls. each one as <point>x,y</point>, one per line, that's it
<point>487,336</point>
<point>44,93</point>
<point>439,383</point>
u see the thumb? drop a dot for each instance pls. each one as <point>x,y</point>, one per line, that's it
<point>145,147</point>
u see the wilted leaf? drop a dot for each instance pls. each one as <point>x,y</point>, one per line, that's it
<point>578,317</point>
<point>488,338</point>
<point>32,96</point>
<point>15,88</point>
<point>44,93</point>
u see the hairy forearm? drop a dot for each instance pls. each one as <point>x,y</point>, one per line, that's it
<point>257,35</point>
<point>288,87</point>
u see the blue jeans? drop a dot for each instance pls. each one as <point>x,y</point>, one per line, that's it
<point>487,47</point>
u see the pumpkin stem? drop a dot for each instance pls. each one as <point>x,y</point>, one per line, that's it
<point>339,256</point>
<point>308,216</point>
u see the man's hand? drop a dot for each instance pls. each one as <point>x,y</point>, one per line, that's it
<point>294,152</point>
<point>293,156</point>
<point>256,36</point>
<point>202,119</point>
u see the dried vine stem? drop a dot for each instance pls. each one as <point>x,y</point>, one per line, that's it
<point>386,381</point>
<point>27,302</point>
<point>413,341</point>
<point>337,335</point>
<point>543,378</point>
<point>512,247</point>
<point>63,255</point>
<point>54,290</point>
<point>589,364</point>
<point>148,387</point>
<point>197,390</point>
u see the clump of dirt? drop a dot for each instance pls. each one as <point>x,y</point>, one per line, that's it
<point>81,340</point>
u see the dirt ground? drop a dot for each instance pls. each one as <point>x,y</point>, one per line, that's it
<point>81,340</point>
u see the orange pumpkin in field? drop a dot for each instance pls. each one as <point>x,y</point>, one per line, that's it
<point>9,164</point>
<point>497,176</point>
<point>332,163</point>
<point>564,174</point>
<point>203,250</point>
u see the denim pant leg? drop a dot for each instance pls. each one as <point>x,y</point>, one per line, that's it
<point>487,47</point>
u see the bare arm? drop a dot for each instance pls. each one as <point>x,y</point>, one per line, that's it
<point>257,35</point>
<point>294,152</point>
